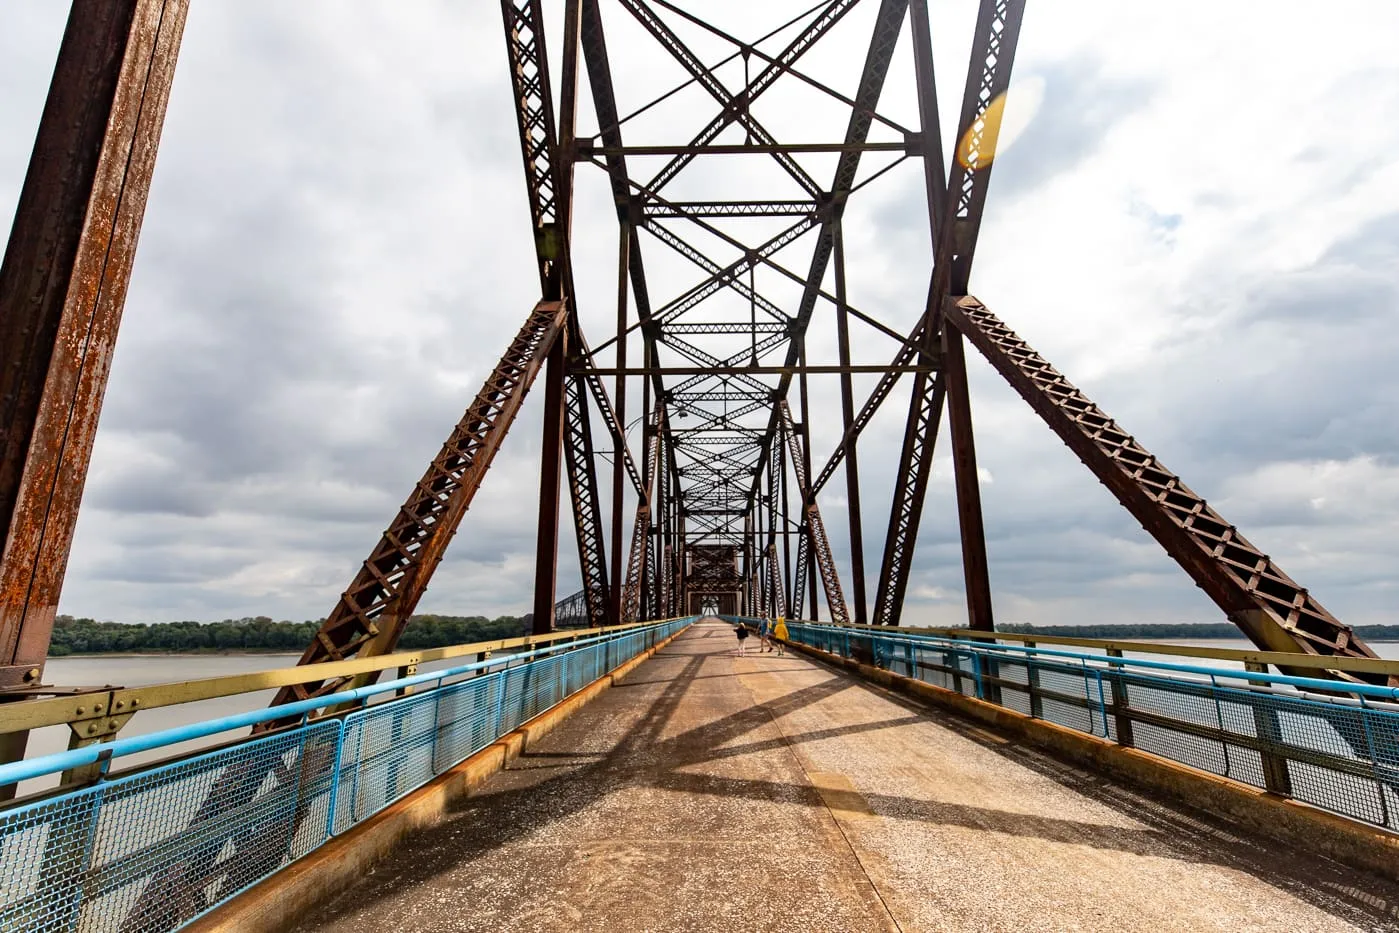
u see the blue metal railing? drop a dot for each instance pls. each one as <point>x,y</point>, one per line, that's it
<point>153,849</point>
<point>1325,742</point>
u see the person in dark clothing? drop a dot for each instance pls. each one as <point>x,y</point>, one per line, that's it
<point>742,632</point>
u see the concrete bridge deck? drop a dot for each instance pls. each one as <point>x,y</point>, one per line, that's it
<point>711,792</point>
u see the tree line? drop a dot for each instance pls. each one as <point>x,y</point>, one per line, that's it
<point>1173,630</point>
<point>88,636</point>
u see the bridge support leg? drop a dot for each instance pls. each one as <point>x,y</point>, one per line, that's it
<point>63,285</point>
<point>546,556</point>
<point>1121,719</point>
<point>959,418</point>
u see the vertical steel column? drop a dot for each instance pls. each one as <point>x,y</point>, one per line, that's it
<point>975,572</point>
<point>623,252</point>
<point>63,284</point>
<point>810,568</point>
<point>847,410</point>
<point>786,528</point>
<point>546,555</point>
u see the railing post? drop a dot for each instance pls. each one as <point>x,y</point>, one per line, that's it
<point>406,670</point>
<point>990,669</point>
<point>955,663</point>
<point>1032,683</point>
<point>1276,777</point>
<point>1122,716</point>
<point>334,803</point>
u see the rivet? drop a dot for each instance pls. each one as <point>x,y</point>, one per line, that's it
<point>81,710</point>
<point>120,704</point>
<point>92,727</point>
<point>32,674</point>
<point>97,708</point>
<point>135,702</point>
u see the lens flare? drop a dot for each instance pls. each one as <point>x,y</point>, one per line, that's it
<point>1001,124</point>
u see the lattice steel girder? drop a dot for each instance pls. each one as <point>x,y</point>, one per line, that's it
<point>955,219</point>
<point>907,147</point>
<point>727,327</point>
<point>1256,595</point>
<point>62,288</point>
<point>636,556</point>
<point>582,485</point>
<point>548,176</point>
<point>534,111</point>
<point>815,527</point>
<point>372,612</point>
<point>911,485</point>
<point>661,209</point>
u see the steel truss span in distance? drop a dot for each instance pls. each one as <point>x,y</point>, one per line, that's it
<point>747,155</point>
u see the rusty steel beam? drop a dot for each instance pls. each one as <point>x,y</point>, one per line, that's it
<point>636,558</point>
<point>954,216</point>
<point>975,567</point>
<point>545,144</point>
<point>1264,602</point>
<point>551,443</point>
<point>582,484</point>
<point>815,527</point>
<point>63,285</point>
<point>534,114</point>
<point>370,615</point>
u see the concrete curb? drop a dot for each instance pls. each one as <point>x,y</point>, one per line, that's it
<point>284,899</point>
<point>1356,844</point>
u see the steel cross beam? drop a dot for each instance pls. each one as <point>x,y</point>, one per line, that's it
<point>583,487</point>
<point>1269,606</point>
<point>636,559</point>
<point>63,284</point>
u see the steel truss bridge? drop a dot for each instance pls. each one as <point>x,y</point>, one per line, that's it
<point>730,255</point>
<point>714,360</point>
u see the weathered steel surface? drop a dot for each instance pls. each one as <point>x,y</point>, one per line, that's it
<point>815,527</point>
<point>583,487</point>
<point>62,288</point>
<point>371,614</point>
<point>1269,606</point>
<point>955,220</point>
<point>636,559</point>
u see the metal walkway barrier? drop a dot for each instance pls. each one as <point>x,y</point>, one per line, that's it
<point>1331,744</point>
<point>137,853</point>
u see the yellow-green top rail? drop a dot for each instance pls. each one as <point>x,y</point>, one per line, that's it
<point>1243,656</point>
<point>104,705</point>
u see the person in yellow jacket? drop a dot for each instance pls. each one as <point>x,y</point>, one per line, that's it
<point>779,634</point>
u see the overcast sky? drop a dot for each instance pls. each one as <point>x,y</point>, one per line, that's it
<point>1199,226</point>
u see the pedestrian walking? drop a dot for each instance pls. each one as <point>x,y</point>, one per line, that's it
<point>779,632</point>
<point>765,633</point>
<point>742,632</point>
